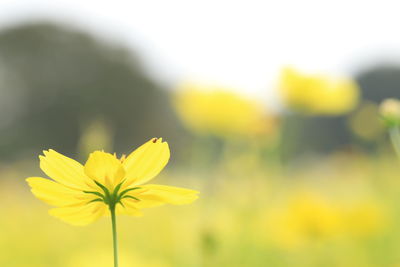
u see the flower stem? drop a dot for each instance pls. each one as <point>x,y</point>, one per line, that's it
<point>395,138</point>
<point>114,233</point>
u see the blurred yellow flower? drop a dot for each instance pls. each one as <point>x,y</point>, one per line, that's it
<point>309,217</point>
<point>317,94</point>
<point>365,219</point>
<point>390,111</point>
<point>82,194</point>
<point>306,217</point>
<point>215,110</point>
<point>96,134</point>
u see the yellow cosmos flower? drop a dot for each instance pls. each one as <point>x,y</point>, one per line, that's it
<point>318,94</point>
<point>82,194</point>
<point>215,110</point>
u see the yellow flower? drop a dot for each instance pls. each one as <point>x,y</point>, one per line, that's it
<point>97,134</point>
<point>305,218</point>
<point>214,110</point>
<point>365,219</point>
<point>83,194</point>
<point>390,111</point>
<point>318,94</point>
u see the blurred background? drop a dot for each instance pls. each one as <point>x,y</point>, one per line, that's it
<point>270,109</point>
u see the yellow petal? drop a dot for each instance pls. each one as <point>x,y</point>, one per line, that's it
<point>146,162</point>
<point>129,208</point>
<point>104,168</point>
<point>81,215</point>
<point>64,170</point>
<point>54,193</point>
<point>160,194</point>
<point>146,202</point>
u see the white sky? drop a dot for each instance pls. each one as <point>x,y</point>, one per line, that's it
<point>241,43</point>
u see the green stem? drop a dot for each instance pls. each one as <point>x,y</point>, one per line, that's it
<point>114,233</point>
<point>395,138</point>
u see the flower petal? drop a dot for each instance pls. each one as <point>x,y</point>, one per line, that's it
<point>146,162</point>
<point>154,195</point>
<point>54,193</point>
<point>104,168</point>
<point>81,215</point>
<point>64,170</point>
<point>128,208</point>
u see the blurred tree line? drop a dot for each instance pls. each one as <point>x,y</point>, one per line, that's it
<point>55,80</point>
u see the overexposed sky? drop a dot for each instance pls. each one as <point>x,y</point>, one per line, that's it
<point>241,43</point>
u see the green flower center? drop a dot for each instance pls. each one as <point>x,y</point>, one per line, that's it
<point>111,198</point>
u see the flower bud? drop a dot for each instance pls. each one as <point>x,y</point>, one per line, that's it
<point>390,111</point>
